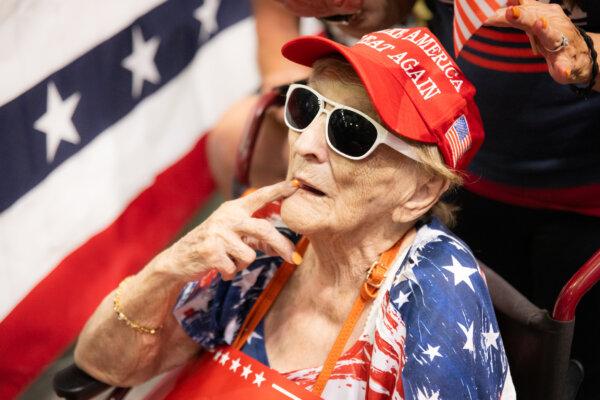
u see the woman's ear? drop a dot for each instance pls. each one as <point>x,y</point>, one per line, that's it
<point>427,192</point>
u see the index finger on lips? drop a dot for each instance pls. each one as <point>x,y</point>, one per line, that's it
<point>265,195</point>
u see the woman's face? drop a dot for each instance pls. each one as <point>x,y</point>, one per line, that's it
<point>349,194</point>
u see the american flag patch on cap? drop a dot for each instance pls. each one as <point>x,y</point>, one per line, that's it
<point>458,138</point>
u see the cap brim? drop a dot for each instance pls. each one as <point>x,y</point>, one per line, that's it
<point>379,83</point>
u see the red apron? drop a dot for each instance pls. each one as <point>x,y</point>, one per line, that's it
<point>230,374</point>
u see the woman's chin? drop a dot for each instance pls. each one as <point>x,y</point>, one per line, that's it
<point>303,216</point>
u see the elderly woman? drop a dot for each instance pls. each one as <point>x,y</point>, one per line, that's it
<point>378,299</point>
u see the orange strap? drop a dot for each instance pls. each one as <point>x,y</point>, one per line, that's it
<point>368,291</point>
<point>267,298</point>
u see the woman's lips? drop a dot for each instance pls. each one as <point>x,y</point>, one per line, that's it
<point>309,188</point>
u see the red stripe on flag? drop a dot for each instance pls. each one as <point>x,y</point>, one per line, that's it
<point>503,66</point>
<point>503,51</point>
<point>476,10</point>
<point>49,318</point>
<point>464,18</point>
<point>461,38</point>
<point>494,5</point>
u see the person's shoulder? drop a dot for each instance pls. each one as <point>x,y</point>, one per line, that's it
<point>440,268</point>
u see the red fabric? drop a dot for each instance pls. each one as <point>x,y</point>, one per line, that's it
<point>501,65</point>
<point>417,89</point>
<point>230,374</point>
<point>582,200</point>
<point>49,318</point>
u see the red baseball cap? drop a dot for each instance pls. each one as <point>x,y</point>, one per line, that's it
<point>416,87</point>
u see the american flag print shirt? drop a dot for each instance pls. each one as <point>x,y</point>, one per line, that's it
<point>430,335</point>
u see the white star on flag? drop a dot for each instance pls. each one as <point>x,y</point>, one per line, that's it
<point>469,334</point>
<point>490,338</point>
<point>461,274</point>
<point>207,15</point>
<point>201,302</point>
<point>56,122</point>
<point>254,335</point>
<point>246,280</point>
<point>217,355</point>
<point>408,274</point>
<point>432,352</point>
<point>247,371</point>
<point>224,359</point>
<point>422,395</point>
<point>402,299</point>
<point>235,364</point>
<point>141,61</point>
<point>259,378</point>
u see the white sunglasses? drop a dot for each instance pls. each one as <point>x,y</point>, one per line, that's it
<point>349,132</point>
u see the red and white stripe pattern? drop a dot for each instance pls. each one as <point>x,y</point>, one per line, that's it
<point>110,207</point>
<point>469,15</point>
<point>459,138</point>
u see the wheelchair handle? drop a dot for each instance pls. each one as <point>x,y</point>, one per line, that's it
<point>583,280</point>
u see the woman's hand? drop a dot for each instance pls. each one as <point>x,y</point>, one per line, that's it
<point>227,240</point>
<point>547,27</point>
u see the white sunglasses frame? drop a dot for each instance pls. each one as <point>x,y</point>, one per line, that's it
<point>383,135</point>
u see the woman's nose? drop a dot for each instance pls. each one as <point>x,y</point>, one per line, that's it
<point>312,143</point>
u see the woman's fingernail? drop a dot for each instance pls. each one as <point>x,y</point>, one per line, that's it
<point>544,23</point>
<point>516,12</point>
<point>295,183</point>
<point>568,73</point>
<point>296,258</point>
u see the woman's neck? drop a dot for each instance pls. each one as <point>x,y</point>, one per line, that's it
<point>342,260</point>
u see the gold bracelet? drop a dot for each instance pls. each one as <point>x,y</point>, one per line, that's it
<point>122,317</point>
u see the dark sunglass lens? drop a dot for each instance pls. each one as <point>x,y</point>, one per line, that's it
<point>351,133</point>
<point>302,107</point>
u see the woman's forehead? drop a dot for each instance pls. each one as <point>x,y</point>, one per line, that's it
<point>351,94</point>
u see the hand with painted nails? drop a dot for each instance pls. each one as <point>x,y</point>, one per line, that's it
<point>227,240</point>
<point>552,35</point>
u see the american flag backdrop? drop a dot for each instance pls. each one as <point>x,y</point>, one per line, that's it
<point>469,15</point>
<point>103,110</point>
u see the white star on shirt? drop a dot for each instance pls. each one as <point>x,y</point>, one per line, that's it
<point>207,15</point>
<point>402,299</point>
<point>224,359</point>
<point>217,355</point>
<point>407,273</point>
<point>461,274</point>
<point>432,352</point>
<point>490,338</point>
<point>254,335</point>
<point>201,302</point>
<point>56,122</point>
<point>141,61</point>
<point>247,371</point>
<point>246,280</point>
<point>469,334</point>
<point>422,395</point>
<point>259,378</point>
<point>235,364</point>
